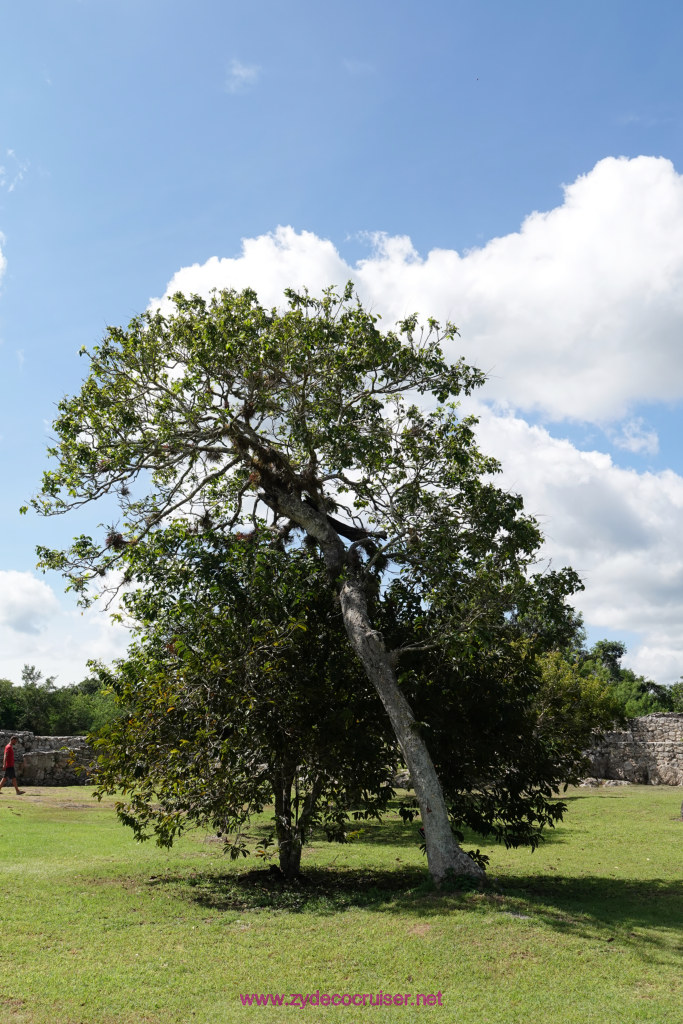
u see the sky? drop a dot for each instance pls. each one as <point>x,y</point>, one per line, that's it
<point>515,168</point>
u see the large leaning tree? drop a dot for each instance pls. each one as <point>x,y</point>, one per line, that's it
<point>232,416</point>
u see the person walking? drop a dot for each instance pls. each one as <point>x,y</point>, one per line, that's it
<point>8,766</point>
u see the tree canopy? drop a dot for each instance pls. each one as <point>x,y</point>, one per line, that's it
<point>232,417</point>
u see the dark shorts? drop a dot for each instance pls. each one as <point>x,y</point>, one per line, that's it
<point>9,773</point>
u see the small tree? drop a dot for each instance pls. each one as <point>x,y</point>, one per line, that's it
<point>229,414</point>
<point>241,687</point>
<point>676,693</point>
<point>608,653</point>
<point>37,696</point>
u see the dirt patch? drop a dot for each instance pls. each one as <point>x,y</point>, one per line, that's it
<point>61,797</point>
<point>420,929</point>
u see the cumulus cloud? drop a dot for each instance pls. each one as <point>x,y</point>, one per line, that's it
<point>36,629</point>
<point>619,528</point>
<point>576,316</point>
<point>241,76</point>
<point>270,263</point>
<point>26,603</point>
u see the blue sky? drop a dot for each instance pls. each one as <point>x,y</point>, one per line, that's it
<point>409,146</point>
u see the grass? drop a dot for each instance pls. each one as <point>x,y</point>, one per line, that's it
<point>97,929</point>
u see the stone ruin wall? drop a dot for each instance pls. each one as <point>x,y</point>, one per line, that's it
<point>48,760</point>
<point>648,752</point>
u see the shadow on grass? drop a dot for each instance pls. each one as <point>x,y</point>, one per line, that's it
<point>319,890</point>
<point>609,795</point>
<point>592,908</point>
<point>393,832</point>
<point>591,905</point>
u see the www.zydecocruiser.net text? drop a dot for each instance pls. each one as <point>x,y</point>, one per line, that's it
<point>300,1000</point>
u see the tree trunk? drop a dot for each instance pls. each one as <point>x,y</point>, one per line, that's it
<point>289,849</point>
<point>288,834</point>
<point>292,822</point>
<point>443,853</point>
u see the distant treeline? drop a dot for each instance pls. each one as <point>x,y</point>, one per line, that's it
<point>45,709</point>
<point>635,695</point>
<point>38,705</point>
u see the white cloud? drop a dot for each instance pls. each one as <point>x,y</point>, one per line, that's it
<point>269,264</point>
<point>636,437</point>
<point>619,528</point>
<point>13,172</point>
<point>26,603</point>
<point>35,629</point>
<point>242,76</point>
<point>578,315</point>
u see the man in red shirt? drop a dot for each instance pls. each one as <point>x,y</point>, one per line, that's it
<point>8,765</point>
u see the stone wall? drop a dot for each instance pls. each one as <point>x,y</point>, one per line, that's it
<point>648,752</point>
<point>48,760</point>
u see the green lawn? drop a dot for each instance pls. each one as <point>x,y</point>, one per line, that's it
<point>97,929</point>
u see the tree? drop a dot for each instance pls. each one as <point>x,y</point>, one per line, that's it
<point>676,691</point>
<point>10,705</point>
<point>36,698</point>
<point>633,694</point>
<point>640,696</point>
<point>609,653</point>
<point>241,685</point>
<point>508,716</point>
<point>229,414</point>
<point>81,708</point>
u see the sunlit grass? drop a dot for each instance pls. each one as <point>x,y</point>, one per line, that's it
<point>99,929</point>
